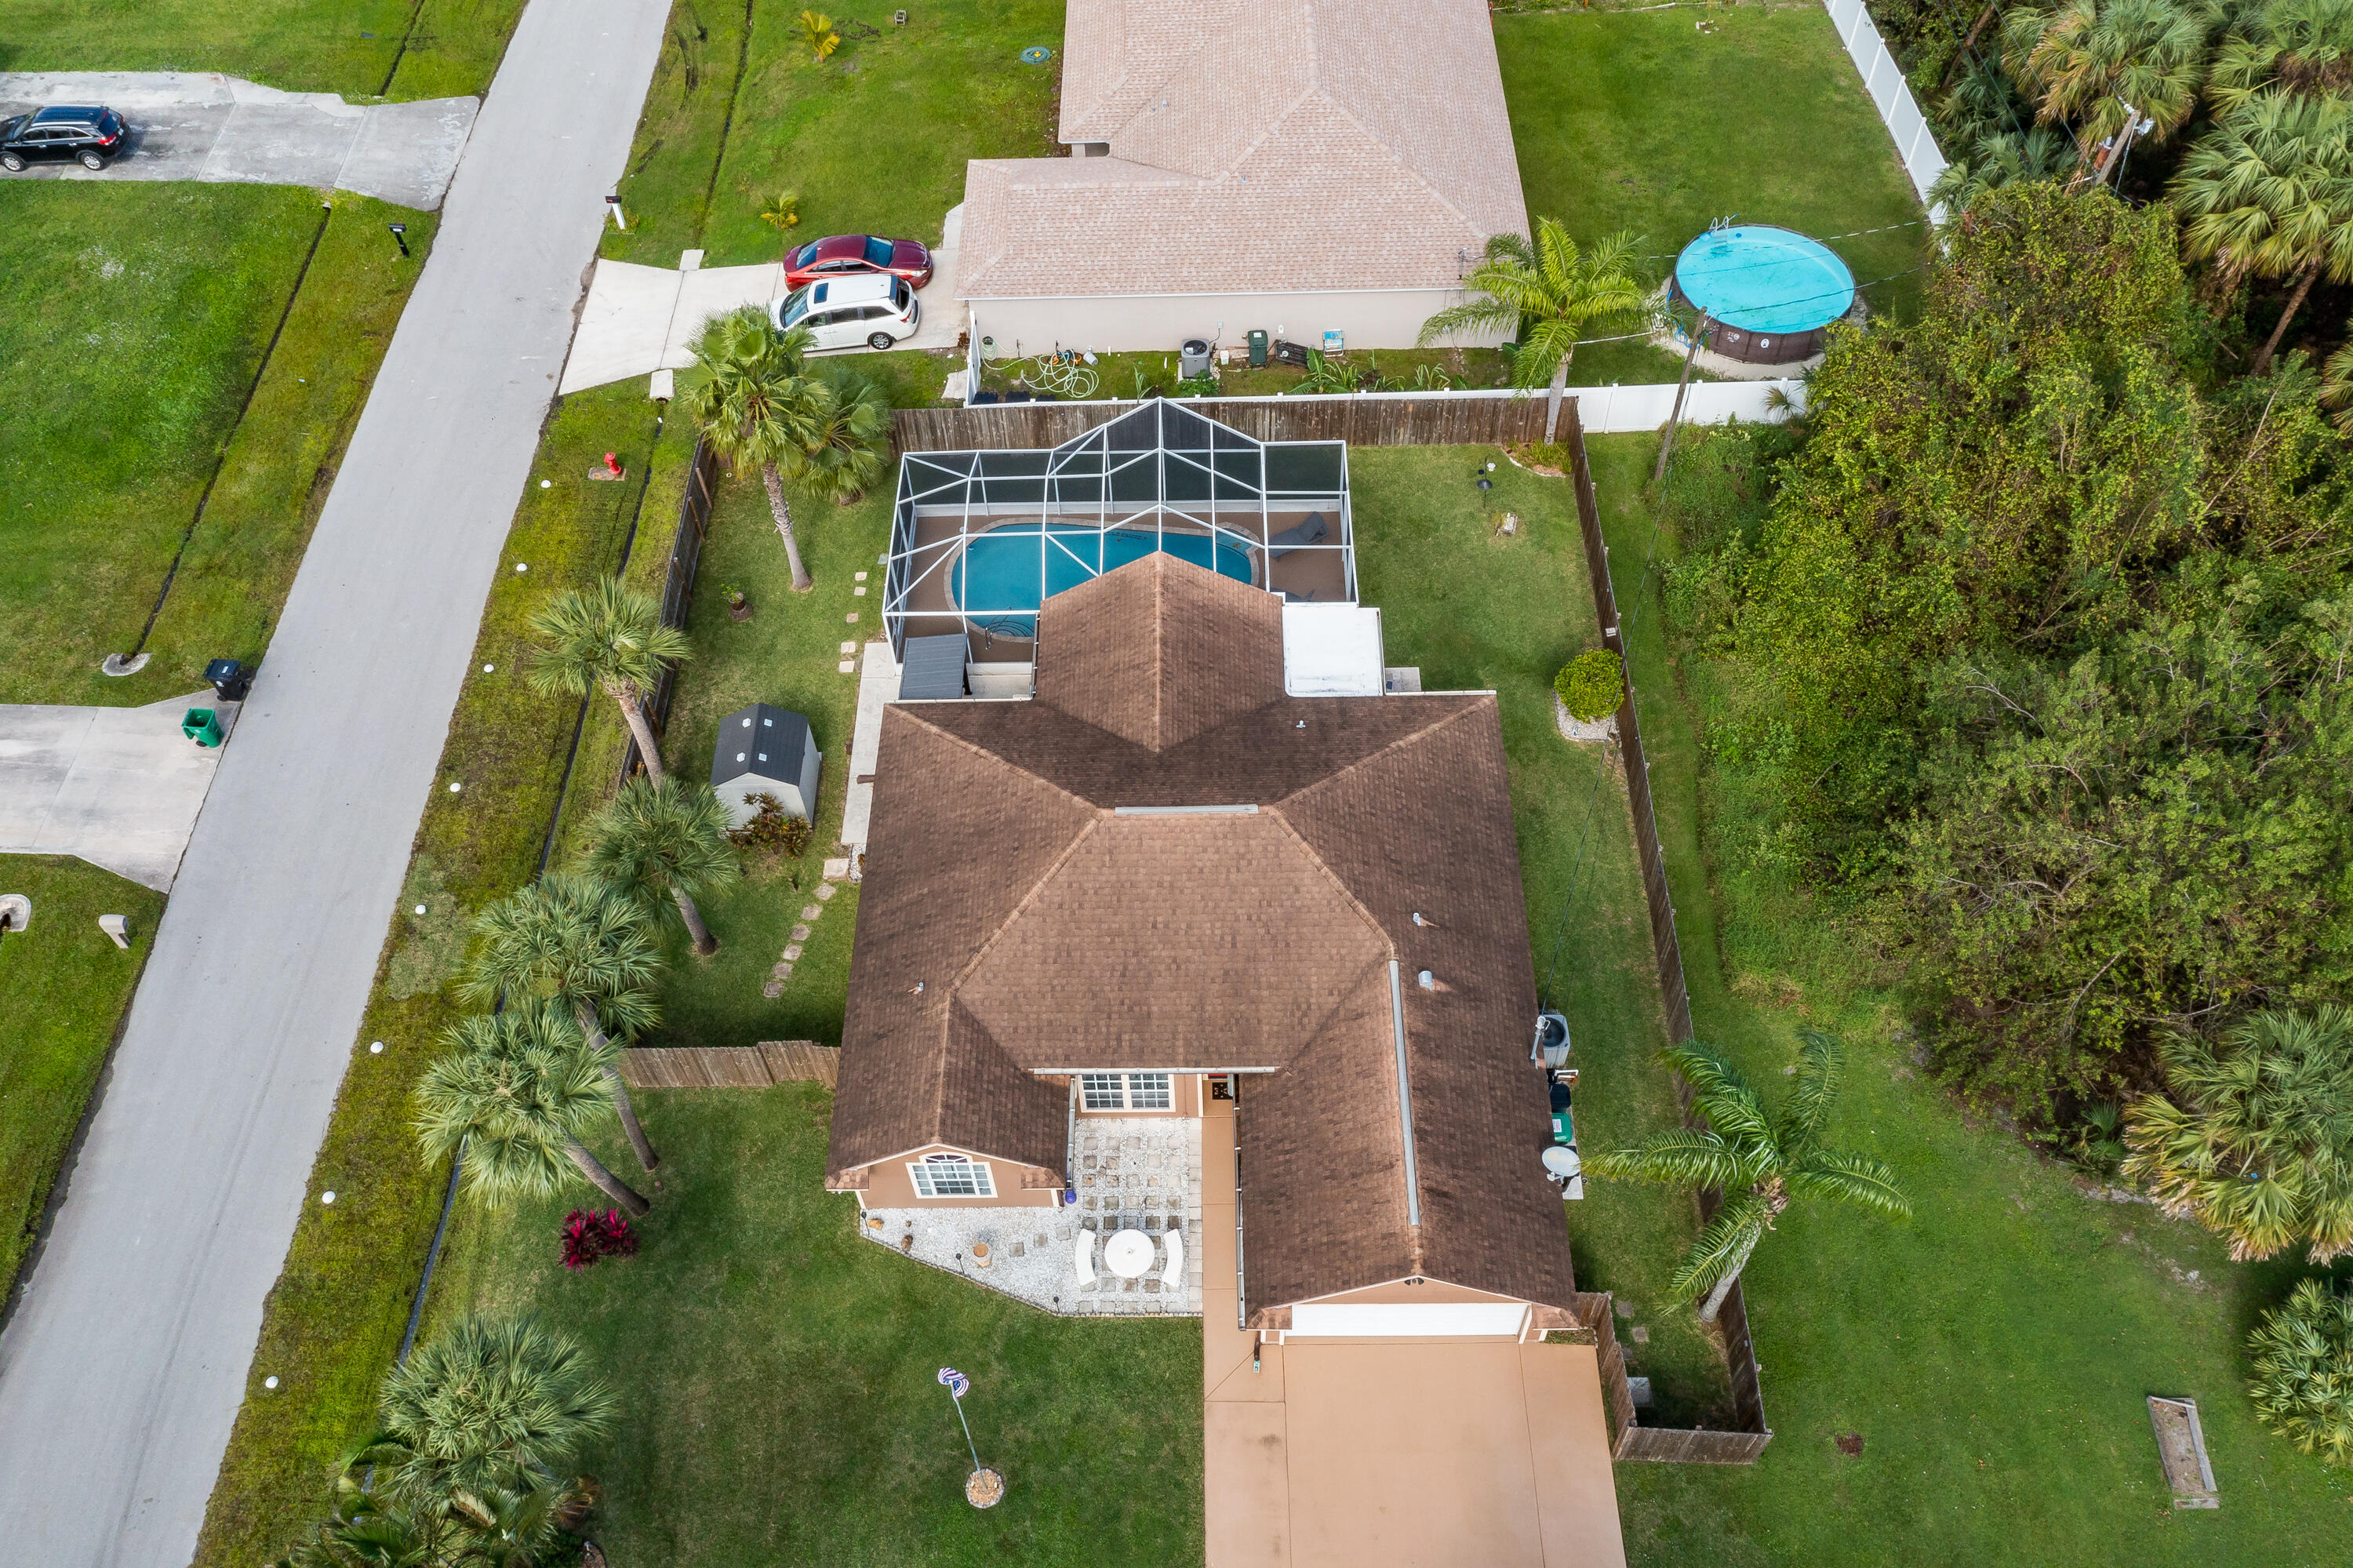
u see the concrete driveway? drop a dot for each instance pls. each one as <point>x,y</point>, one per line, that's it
<point>642,319</point>
<point>132,1347</point>
<point>190,126</point>
<point>1391,1453</point>
<point>119,787</point>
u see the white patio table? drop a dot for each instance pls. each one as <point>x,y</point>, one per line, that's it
<point>1128,1253</point>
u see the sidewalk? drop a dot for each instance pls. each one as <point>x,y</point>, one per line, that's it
<point>130,1350</point>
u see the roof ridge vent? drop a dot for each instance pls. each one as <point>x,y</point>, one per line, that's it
<point>1184,810</point>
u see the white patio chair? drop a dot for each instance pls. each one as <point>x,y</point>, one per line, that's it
<point>1172,1272</point>
<point>1086,1257</point>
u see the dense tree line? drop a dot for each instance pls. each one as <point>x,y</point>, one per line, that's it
<point>2051,631</point>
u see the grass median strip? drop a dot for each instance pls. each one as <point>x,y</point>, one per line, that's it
<point>334,1319</point>
<point>63,987</point>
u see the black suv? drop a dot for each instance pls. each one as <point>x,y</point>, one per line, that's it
<point>90,135</point>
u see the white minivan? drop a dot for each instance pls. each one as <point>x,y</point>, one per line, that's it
<point>875,309</point>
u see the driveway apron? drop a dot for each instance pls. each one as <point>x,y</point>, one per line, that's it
<point>124,1364</point>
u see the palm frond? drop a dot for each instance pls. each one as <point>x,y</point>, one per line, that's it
<point>1850,1178</point>
<point>1820,1067</point>
<point>1721,1093</point>
<point>1723,1246</point>
<point>1678,1156</point>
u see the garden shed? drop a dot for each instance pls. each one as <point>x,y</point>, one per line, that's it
<point>765,750</point>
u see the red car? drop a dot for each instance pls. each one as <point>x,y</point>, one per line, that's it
<point>848,253</point>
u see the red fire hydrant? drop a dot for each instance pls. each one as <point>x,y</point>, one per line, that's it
<point>613,465</point>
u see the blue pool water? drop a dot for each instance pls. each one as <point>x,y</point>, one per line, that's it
<point>1765,279</point>
<point>999,569</point>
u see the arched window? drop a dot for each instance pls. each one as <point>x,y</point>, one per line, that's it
<point>951,1176</point>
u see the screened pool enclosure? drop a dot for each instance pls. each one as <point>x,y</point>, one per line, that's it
<point>981,539</point>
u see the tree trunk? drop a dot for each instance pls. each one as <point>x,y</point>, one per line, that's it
<point>783,510</point>
<point>1714,1302</point>
<point>620,1192</point>
<point>2294,303</point>
<point>1667,447</point>
<point>642,1145</point>
<point>1968,44</point>
<point>1559,386</point>
<point>633,713</point>
<point>704,942</point>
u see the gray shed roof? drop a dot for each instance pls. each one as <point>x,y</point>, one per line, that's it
<point>761,742</point>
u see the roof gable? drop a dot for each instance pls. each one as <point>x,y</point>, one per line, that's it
<point>1160,651</point>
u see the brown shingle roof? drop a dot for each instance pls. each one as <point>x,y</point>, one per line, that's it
<point>1050,932</point>
<point>1249,140</point>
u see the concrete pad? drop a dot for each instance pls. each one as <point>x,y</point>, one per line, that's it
<point>1569,1434</point>
<point>707,292</point>
<point>623,325</point>
<point>120,788</point>
<point>281,145</point>
<point>878,685</point>
<point>189,125</point>
<point>1246,1466</point>
<point>406,153</point>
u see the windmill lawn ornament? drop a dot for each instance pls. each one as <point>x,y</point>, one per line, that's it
<point>983,1487</point>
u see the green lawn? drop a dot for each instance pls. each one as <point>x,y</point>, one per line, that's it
<point>1637,121</point>
<point>777,1374</point>
<point>874,139</point>
<point>401,48</point>
<point>128,368</point>
<point>336,1316</point>
<point>64,985</point>
<point>1995,1352</point>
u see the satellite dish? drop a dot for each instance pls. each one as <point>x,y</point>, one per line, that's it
<point>1562,1162</point>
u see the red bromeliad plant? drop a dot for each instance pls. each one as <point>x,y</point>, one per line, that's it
<point>591,1234</point>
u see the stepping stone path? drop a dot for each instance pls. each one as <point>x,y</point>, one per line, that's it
<point>773,987</point>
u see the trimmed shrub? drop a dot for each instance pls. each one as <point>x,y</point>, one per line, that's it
<point>1591,686</point>
<point>771,829</point>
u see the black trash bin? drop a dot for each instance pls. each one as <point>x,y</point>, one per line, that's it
<point>230,680</point>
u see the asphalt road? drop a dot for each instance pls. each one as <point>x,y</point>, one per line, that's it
<point>125,1362</point>
<point>187,125</point>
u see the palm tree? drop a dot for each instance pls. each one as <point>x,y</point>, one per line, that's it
<point>2336,388</point>
<point>575,941</point>
<point>516,1091</point>
<point>2002,158</point>
<point>2083,62</point>
<point>756,403</point>
<point>1546,295</point>
<point>665,838</point>
<point>1757,1160</point>
<point>848,437</point>
<point>611,639</point>
<point>2269,194</point>
<point>2303,47</point>
<point>485,1416</point>
<point>377,1526</point>
<point>2302,1357</point>
<point>2256,1141</point>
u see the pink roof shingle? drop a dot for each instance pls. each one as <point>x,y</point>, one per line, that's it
<point>1272,145</point>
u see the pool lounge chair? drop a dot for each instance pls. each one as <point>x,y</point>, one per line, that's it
<point>1312,532</point>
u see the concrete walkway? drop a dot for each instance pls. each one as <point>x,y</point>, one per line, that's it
<point>193,125</point>
<point>132,1348</point>
<point>642,319</point>
<point>119,787</point>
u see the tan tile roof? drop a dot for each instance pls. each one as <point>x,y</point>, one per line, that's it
<point>1259,145</point>
<point>1049,932</point>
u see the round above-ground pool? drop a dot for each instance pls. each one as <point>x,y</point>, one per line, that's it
<point>999,571</point>
<point>1771,293</point>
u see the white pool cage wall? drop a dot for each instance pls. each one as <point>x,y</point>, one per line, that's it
<point>1160,468</point>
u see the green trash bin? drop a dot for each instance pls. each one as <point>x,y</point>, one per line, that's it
<point>202,725</point>
<point>1258,350</point>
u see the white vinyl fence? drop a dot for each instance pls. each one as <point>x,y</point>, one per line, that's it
<point>1613,411</point>
<point>1883,79</point>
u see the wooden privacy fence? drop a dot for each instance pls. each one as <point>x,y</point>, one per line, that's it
<point>677,590</point>
<point>769,1063</point>
<point>1363,420</point>
<point>1634,1441</point>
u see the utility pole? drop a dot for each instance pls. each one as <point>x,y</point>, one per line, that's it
<point>2112,149</point>
<point>1667,447</point>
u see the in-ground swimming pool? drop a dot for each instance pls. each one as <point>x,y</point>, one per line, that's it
<point>998,570</point>
<point>1771,293</point>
